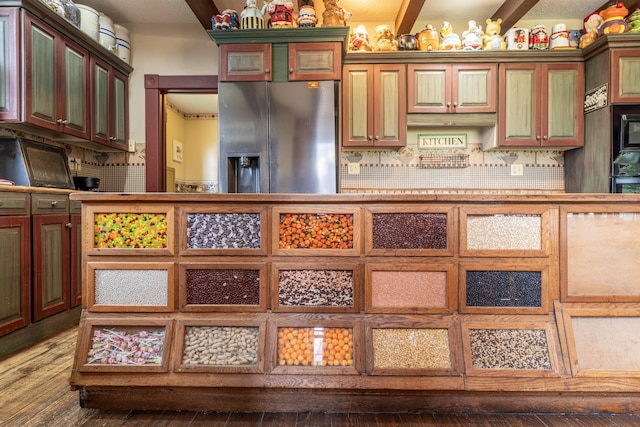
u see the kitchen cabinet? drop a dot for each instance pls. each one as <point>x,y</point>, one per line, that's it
<point>109,99</point>
<point>540,105</point>
<point>374,105</point>
<point>75,254</point>
<point>56,80</point>
<point>305,61</point>
<point>51,263</point>
<point>15,263</point>
<point>625,68</point>
<point>9,78</point>
<point>452,88</point>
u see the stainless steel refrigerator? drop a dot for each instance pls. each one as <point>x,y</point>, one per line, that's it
<point>278,137</point>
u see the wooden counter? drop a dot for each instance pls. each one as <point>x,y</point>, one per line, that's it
<point>360,303</point>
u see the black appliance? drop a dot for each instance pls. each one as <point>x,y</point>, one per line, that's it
<point>31,164</point>
<point>625,149</point>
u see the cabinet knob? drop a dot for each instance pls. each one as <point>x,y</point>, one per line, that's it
<point>455,105</point>
<point>537,137</point>
<point>545,137</point>
<point>112,138</point>
<point>448,104</point>
<point>370,137</point>
<point>290,70</point>
<point>62,121</point>
<point>54,203</point>
<point>68,225</point>
<point>266,71</point>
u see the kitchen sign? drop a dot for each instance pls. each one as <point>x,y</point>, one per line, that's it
<point>595,99</point>
<point>437,141</point>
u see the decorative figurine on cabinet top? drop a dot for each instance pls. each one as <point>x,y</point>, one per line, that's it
<point>518,39</point>
<point>280,13</point>
<point>613,19</point>
<point>559,37</point>
<point>227,20</point>
<point>492,39</point>
<point>334,15</point>
<point>385,41</point>
<point>252,18</point>
<point>634,21</point>
<point>306,14</point>
<point>359,40</point>
<point>429,39</point>
<point>538,38</point>
<point>449,39</point>
<point>591,26</point>
<point>472,37</point>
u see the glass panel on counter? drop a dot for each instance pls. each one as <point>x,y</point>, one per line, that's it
<point>333,288</point>
<point>408,288</point>
<point>504,232</point>
<point>504,288</point>
<point>130,230</point>
<point>316,231</point>
<point>315,346</point>
<point>223,286</point>
<point>220,346</point>
<point>223,230</point>
<point>510,349</point>
<point>126,345</point>
<point>407,348</point>
<point>409,231</point>
<point>131,287</point>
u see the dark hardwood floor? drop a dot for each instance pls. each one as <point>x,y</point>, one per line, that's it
<point>34,391</point>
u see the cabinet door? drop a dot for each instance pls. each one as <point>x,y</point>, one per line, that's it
<point>74,80</point>
<point>519,105</point>
<point>41,76</point>
<point>315,61</point>
<point>245,62</point>
<point>50,265</point>
<point>9,67</point>
<point>15,268</point>
<point>428,88</point>
<point>474,88</point>
<point>76,259</point>
<point>357,98</point>
<point>390,104</point>
<point>625,85</point>
<point>109,101</point>
<point>562,117</point>
<point>120,108</point>
<point>100,101</point>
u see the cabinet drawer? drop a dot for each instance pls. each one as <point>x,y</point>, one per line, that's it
<point>49,203</point>
<point>75,206</point>
<point>14,203</point>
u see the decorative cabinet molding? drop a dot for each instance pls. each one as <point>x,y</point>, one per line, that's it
<point>452,88</point>
<point>374,105</point>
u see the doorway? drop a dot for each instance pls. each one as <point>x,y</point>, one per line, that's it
<point>156,88</point>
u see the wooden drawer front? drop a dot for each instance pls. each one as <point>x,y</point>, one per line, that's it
<point>49,203</point>
<point>14,204</point>
<point>75,207</point>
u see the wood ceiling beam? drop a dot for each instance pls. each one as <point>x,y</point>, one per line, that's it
<point>204,10</point>
<point>512,11</point>
<point>408,15</point>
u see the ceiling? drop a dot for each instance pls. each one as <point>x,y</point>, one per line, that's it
<point>408,16</point>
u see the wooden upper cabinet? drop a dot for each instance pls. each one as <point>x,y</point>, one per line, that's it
<point>109,100</point>
<point>9,66</point>
<point>245,62</point>
<point>540,105</point>
<point>56,80</point>
<point>452,88</point>
<point>625,69</point>
<point>374,105</point>
<point>315,61</point>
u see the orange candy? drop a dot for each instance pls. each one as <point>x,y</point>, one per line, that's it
<point>296,346</point>
<point>316,231</point>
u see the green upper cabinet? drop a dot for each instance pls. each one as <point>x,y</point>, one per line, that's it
<point>56,76</point>
<point>625,69</point>
<point>452,88</point>
<point>540,105</point>
<point>9,73</point>
<point>109,101</point>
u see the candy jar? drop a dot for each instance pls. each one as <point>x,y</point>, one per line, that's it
<point>614,22</point>
<point>429,39</point>
<point>472,37</point>
<point>449,39</point>
<point>359,40</point>
<point>538,39</point>
<point>251,18</point>
<point>591,25</point>
<point>384,39</point>
<point>306,14</point>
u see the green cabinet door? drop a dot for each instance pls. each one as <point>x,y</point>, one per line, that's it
<point>100,101</point>
<point>76,99</point>
<point>9,69</point>
<point>40,70</point>
<point>120,110</point>
<point>15,278</point>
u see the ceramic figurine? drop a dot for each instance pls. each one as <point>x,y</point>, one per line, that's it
<point>634,21</point>
<point>492,39</point>
<point>280,13</point>
<point>306,14</point>
<point>559,37</point>
<point>385,41</point>
<point>251,18</point>
<point>613,19</point>
<point>227,20</point>
<point>538,39</point>
<point>359,40</point>
<point>429,39</point>
<point>518,39</point>
<point>592,24</point>
<point>574,37</point>
<point>472,37</point>
<point>334,15</point>
<point>407,42</point>
<point>448,39</point>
